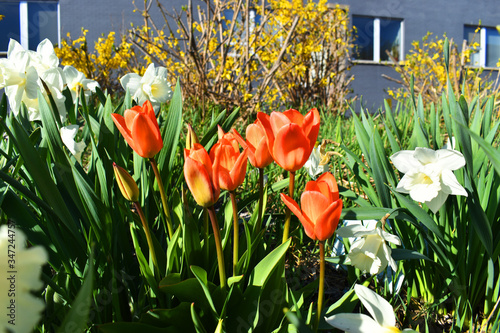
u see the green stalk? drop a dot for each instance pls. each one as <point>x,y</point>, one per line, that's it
<point>236,231</point>
<point>218,246</point>
<point>261,198</point>
<point>145,226</point>
<point>205,234</point>
<point>163,196</point>
<point>288,213</point>
<point>321,289</point>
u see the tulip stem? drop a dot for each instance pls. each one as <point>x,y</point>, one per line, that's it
<point>288,213</point>
<point>261,198</point>
<point>163,197</point>
<point>205,234</point>
<point>321,289</point>
<point>218,247</point>
<point>236,231</point>
<point>149,239</point>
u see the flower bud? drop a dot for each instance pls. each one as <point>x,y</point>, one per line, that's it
<point>191,138</point>
<point>126,183</point>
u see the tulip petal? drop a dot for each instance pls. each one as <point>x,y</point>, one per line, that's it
<point>294,116</point>
<point>355,323</point>
<point>378,307</point>
<point>291,148</point>
<point>146,136</point>
<point>294,207</point>
<point>265,122</point>
<point>404,161</point>
<point>328,221</point>
<point>313,204</point>
<point>130,115</point>
<point>278,120</point>
<point>120,123</point>
<point>239,170</point>
<point>199,182</point>
<point>311,126</point>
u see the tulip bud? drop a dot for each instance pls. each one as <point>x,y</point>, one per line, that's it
<point>191,138</point>
<point>126,183</point>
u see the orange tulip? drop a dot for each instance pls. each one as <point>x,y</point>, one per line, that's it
<point>233,164</point>
<point>258,153</point>
<point>140,129</point>
<point>202,175</point>
<point>320,207</point>
<point>290,136</point>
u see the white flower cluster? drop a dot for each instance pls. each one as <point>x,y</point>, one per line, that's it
<point>22,73</point>
<point>20,270</point>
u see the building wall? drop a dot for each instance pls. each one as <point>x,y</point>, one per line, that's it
<point>419,16</point>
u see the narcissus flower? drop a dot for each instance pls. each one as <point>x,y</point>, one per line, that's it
<point>76,81</point>
<point>233,163</point>
<point>153,86</point>
<point>258,152</point>
<point>140,129</point>
<point>202,175</point>
<point>68,134</point>
<point>429,174</point>
<point>20,274</point>
<point>320,207</point>
<point>290,136</point>
<point>369,252</point>
<point>384,320</point>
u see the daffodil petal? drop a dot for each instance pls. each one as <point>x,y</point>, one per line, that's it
<point>355,323</point>
<point>451,184</point>
<point>378,307</point>
<point>404,161</point>
<point>449,159</point>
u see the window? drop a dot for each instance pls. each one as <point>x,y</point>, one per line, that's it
<point>488,45</point>
<point>378,36</point>
<point>28,22</point>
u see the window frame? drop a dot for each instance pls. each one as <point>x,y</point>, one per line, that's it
<point>24,23</point>
<point>377,39</point>
<point>483,45</point>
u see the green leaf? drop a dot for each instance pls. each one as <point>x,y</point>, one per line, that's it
<point>77,318</point>
<point>198,325</point>
<point>201,276</point>
<point>405,254</point>
<point>266,266</point>
<point>178,317</point>
<point>171,132</point>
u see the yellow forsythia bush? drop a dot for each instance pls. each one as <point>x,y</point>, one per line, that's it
<point>425,61</point>
<point>105,64</point>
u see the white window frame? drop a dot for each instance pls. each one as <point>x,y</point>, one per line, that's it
<point>376,40</point>
<point>24,24</point>
<point>483,47</point>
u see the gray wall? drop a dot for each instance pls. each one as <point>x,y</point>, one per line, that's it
<point>420,16</point>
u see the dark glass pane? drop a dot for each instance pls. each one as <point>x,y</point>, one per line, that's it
<point>473,37</point>
<point>390,39</point>
<point>42,23</point>
<point>492,47</point>
<point>364,40</point>
<point>10,26</point>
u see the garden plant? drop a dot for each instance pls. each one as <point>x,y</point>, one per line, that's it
<point>119,214</point>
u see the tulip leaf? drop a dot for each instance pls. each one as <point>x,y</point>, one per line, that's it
<point>77,318</point>
<point>364,213</point>
<point>198,325</point>
<point>178,317</point>
<point>266,266</point>
<point>201,276</point>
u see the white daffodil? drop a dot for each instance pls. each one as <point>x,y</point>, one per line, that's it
<point>369,251</point>
<point>17,76</point>
<point>18,278</point>
<point>429,174</point>
<point>76,81</point>
<point>317,163</point>
<point>44,58</point>
<point>382,318</point>
<point>153,86</point>
<point>68,134</point>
